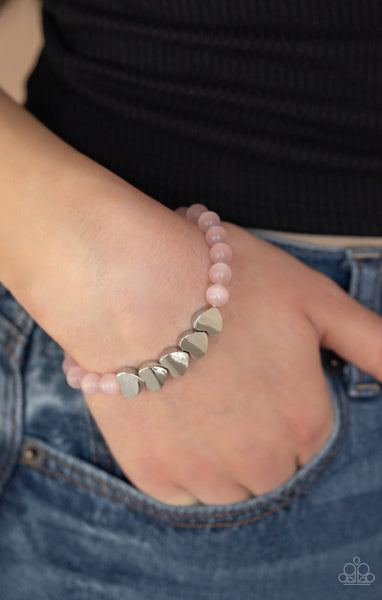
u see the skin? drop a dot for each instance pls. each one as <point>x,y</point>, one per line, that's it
<point>114,276</point>
<point>257,405</point>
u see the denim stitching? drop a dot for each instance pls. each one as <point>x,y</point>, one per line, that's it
<point>376,281</point>
<point>160,516</point>
<point>299,487</point>
<point>8,330</point>
<point>12,441</point>
<point>110,486</point>
<point>19,338</point>
<point>10,352</point>
<point>360,265</point>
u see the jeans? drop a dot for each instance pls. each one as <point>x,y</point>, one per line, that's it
<point>72,526</point>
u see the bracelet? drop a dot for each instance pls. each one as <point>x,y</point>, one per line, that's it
<point>173,360</point>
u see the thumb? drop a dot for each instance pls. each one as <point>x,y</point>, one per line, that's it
<point>344,325</point>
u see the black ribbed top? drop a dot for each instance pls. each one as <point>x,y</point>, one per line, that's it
<point>268,111</point>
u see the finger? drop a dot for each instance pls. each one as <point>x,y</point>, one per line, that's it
<point>347,327</point>
<point>209,482</point>
<point>151,477</point>
<point>179,497</point>
<point>221,493</point>
<point>174,495</point>
<point>308,430</point>
<point>266,471</point>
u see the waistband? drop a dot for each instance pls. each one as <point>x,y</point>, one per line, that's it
<point>327,250</point>
<point>325,239</point>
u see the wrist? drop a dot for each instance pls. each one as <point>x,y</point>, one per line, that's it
<point>108,242</point>
<point>162,282</point>
<point>193,340</point>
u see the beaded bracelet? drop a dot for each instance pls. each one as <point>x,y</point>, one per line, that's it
<point>173,360</point>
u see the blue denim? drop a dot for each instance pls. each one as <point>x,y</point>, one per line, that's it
<point>72,526</point>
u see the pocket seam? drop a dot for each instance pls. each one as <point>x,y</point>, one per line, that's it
<point>122,496</point>
<point>18,337</point>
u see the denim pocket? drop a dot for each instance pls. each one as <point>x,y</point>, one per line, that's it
<point>51,425</point>
<point>107,480</point>
<point>71,523</point>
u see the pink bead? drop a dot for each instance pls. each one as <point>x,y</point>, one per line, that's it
<point>182,210</point>
<point>68,363</point>
<point>74,376</point>
<point>220,273</point>
<point>90,383</point>
<point>194,211</point>
<point>221,252</point>
<point>215,234</point>
<point>207,219</point>
<point>109,384</point>
<point>217,295</point>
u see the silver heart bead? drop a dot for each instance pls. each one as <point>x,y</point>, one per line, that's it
<point>129,382</point>
<point>153,374</point>
<point>174,360</point>
<point>208,319</point>
<point>194,342</point>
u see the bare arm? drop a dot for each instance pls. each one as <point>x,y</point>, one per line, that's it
<point>114,276</point>
<point>53,200</point>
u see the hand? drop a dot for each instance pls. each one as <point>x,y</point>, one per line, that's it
<point>114,276</point>
<point>246,415</point>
